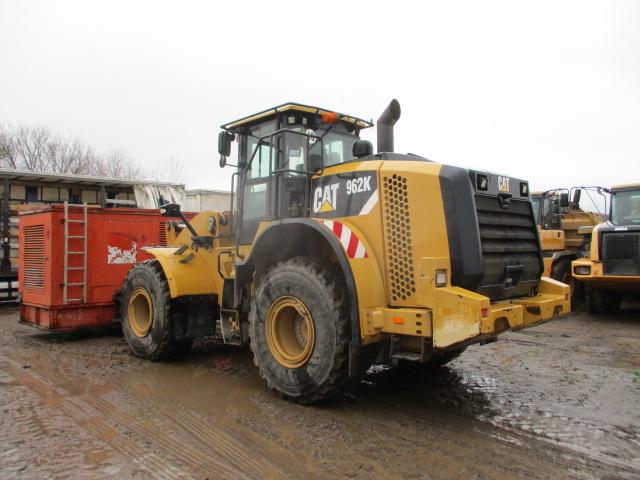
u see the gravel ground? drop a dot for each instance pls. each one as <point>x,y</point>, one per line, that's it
<point>560,400</point>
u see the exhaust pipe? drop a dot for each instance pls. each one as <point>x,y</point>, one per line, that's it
<point>385,126</point>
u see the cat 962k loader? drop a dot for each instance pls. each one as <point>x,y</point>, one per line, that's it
<point>333,257</point>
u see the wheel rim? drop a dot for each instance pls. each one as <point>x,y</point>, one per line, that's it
<point>140,312</point>
<point>290,332</point>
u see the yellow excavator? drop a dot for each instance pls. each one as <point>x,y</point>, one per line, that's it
<point>333,257</point>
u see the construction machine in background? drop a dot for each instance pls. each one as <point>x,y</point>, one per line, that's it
<point>333,257</point>
<point>611,269</point>
<point>564,230</point>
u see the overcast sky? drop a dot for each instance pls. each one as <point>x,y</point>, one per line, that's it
<point>547,91</point>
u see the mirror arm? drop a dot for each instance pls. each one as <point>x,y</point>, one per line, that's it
<point>173,210</point>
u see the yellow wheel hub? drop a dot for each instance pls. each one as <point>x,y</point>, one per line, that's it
<point>140,312</point>
<point>290,332</point>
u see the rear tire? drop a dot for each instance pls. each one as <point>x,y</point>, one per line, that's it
<point>146,313</point>
<point>299,327</point>
<point>603,301</point>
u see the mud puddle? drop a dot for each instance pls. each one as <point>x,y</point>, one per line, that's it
<point>211,388</point>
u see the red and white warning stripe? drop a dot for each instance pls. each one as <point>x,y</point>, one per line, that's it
<point>349,240</point>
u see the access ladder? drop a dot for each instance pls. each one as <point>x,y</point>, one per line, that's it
<point>68,253</point>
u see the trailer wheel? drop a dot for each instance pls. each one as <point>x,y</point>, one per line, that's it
<point>299,328</point>
<point>603,301</point>
<point>146,311</point>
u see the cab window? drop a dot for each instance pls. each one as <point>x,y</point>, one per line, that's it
<point>625,208</point>
<point>337,146</point>
<point>295,147</point>
<point>260,166</point>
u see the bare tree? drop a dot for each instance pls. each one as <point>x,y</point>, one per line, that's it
<point>174,170</point>
<point>25,147</point>
<point>8,154</point>
<point>171,171</point>
<point>35,148</point>
<point>118,165</point>
<point>71,156</point>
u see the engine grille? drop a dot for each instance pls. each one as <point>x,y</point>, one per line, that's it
<point>398,235</point>
<point>510,251</point>
<point>33,257</point>
<point>621,253</point>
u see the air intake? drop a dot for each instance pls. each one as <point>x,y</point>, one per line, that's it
<point>33,257</point>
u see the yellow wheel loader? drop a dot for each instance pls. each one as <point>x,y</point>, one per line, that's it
<point>333,257</point>
<point>611,269</point>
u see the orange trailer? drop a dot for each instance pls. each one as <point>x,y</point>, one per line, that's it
<point>74,258</point>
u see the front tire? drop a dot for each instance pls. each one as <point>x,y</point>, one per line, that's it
<point>146,313</point>
<point>299,327</point>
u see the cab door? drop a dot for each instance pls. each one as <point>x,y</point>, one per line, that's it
<point>257,184</point>
<point>291,178</point>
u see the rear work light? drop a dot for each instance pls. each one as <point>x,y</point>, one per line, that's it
<point>582,270</point>
<point>441,278</point>
<point>482,182</point>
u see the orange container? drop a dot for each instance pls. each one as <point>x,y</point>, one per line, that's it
<point>96,264</point>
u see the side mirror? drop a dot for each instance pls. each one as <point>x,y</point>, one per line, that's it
<point>224,146</point>
<point>224,143</point>
<point>576,196</point>
<point>564,200</point>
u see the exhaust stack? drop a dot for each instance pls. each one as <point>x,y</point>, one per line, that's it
<point>385,126</point>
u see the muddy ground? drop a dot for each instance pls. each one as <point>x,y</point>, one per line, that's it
<point>560,400</point>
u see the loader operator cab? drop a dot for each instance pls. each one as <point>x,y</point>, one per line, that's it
<point>279,150</point>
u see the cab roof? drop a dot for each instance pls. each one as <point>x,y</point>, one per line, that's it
<point>297,107</point>
<point>626,186</point>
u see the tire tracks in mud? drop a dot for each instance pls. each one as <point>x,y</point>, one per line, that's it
<point>73,396</point>
<point>85,418</point>
<point>246,455</point>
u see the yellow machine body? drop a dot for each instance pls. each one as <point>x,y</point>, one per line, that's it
<point>404,235</point>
